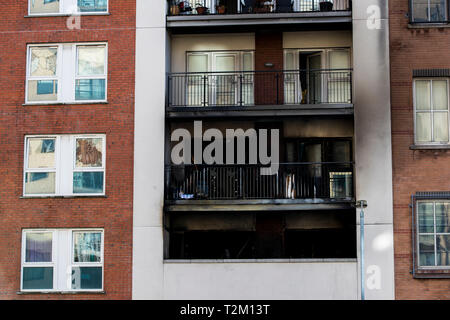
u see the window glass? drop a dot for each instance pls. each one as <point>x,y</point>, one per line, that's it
<point>89,152</point>
<point>198,63</point>
<point>339,59</point>
<point>40,183</point>
<point>423,127</point>
<point>44,6</point>
<point>92,5</point>
<point>91,60</point>
<point>426,217</point>
<point>38,247</point>
<point>37,278</point>
<point>42,90</point>
<point>87,247</point>
<point>443,250</point>
<point>443,217</point>
<point>90,89</point>
<point>43,61</point>
<point>86,278</point>
<point>41,153</point>
<point>423,92</point>
<point>440,126</point>
<point>88,182</point>
<point>440,95</point>
<point>426,250</point>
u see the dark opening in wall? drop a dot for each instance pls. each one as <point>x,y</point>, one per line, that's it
<point>260,235</point>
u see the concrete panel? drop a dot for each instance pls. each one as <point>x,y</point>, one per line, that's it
<point>260,280</point>
<point>148,274</point>
<point>363,9</point>
<point>317,39</point>
<point>379,262</point>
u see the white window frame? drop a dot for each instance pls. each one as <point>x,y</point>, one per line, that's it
<point>62,259</point>
<point>65,165</point>
<point>66,72</point>
<point>66,7</point>
<point>25,264</point>
<point>211,60</point>
<point>325,60</point>
<point>434,234</point>
<point>428,13</point>
<point>431,112</point>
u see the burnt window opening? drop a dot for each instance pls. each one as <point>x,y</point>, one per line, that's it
<point>261,235</point>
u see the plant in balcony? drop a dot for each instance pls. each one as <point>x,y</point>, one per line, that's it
<point>326,5</point>
<point>221,8</point>
<point>201,9</point>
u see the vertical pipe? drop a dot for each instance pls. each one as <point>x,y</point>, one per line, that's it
<point>361,246</point>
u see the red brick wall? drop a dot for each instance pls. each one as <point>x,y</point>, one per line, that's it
<point>268,49</point>
<point>115,119</point>
<point>413,170</point>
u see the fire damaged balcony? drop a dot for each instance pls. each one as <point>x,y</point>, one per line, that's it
<point>266,93</point>
<point>188,13</point>
<point>292,183</point>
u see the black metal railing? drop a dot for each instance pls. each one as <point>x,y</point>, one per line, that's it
<point>247,88</point>
<point>235,182</point>
<point>202,7</point>
<point>429,11</point>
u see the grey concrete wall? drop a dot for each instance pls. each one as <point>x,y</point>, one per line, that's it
<point>373,154</point>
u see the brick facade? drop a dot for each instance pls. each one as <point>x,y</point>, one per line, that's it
<point>115,119</point>
<point>413,48</point>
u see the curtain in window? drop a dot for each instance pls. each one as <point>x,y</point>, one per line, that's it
<point>38,247</point>
<point>87,247</point>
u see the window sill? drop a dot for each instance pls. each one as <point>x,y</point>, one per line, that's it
<point>430,147</point>
<point>428,25</point>
<point>60,292</point>
<point>63,103</point>
<point>63,197</point>
<point>67,14</point>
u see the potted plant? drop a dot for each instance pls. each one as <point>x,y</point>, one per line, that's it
<point>201,9</point>
<point>326,5</point>
<point>221,8</point>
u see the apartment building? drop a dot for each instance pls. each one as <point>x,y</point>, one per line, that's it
<point>420,71</point>
<point>212,78</point>
<point>66,121</point>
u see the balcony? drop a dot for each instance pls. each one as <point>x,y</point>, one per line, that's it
<point>254,12</point>
<point>260,93</point>
<point>429,12</point>
<point>294,184</point>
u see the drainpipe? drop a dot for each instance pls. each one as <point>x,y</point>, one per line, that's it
<point>361,204</point>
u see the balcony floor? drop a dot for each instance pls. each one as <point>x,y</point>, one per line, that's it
<point>258,205</point>
<point>261,111</point>
<point>255,19</point>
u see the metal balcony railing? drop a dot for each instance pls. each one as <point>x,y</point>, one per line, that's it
<point>249,88</point>
<point>202,7</point>
<point>429,11</point>
<point>237,182</point>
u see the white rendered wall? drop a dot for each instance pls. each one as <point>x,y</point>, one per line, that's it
<point>320,280</point>
<point>373,153</point>
<point>149,150</point>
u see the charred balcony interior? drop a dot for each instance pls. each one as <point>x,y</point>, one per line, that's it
<point>309,170</point>
<point>190,15</point>
<point>260,235</point>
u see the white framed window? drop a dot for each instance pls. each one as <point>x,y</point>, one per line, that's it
<point>62,260</point>
<point>431,102</point>
<point>64,165</point>
<point>430,11</point>
<point>433,234</point>
<point>66,73</point>
<point>228,78</point>
<point>66,7</point>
